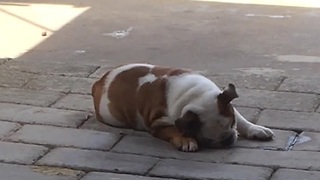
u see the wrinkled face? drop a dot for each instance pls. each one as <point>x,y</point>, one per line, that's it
<point>218,129</point>
<point>215,126</point>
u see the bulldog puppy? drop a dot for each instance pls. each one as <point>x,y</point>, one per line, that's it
<point>176,105</point>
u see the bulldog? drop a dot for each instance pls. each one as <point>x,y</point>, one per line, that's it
<point>176,105</point>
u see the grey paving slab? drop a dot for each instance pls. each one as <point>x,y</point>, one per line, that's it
<point>155,147</point>
<point>83,86</point>
<point>200,170</point>
<point>247,81</point>
<point>277,100</point>
<point>20,172</point>
<point>280,142</point>
<point>76,102</point>
<point>61,84</point>
<point>308,141</point>
<point>41,115</point>
<point>294,174</point>
<point>67,137</point>
<point>101,71</point>
<point>113,176</point>
<point>13,79</point>
<point>52,68</point>
<point>301,84</point>
<point>20,153</point>
<point>251,114</point>
<point>290,120</point>
<point>98,160</point>
<point>94,124</point>
<point>283,159</point>
<point>7,127</point>
<point>30,97</point>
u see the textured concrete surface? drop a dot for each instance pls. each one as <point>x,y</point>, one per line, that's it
<point>53,51</point>
<point>14,172</point>
<point>199,170</point>
<point>41,115</point>
<point>98,160</point>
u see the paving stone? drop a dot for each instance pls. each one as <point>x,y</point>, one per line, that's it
<point>76,102</point>
<point>13,79</point>
<point>61,83</point>
<point>247,81</point>
<point>57,136</point>
<point>7,127</point>
<point>200,170</point>
<point>98,160</point>
<point>52,68</point>
<point>113,176</point>
<point>284,159</point>
<point>280,142</point>
<point>290,120</point>
<point>293,174</point>
<point>308,141</point>
<point>30,97</point>
<point>101,71</point>
<point>277,100</point>
<point>301,84</point>
<point>155,147</point>
<point>41,115</point>
<point>94,124</point>
<point>20,172</point>
<point>251,114</point>
<point>83,86</point>
<point>20,153</point>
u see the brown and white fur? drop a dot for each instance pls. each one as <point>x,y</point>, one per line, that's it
<point>176,105</point>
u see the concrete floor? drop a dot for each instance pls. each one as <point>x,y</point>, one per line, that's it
<point>206,36</point>
<point>59,48</point>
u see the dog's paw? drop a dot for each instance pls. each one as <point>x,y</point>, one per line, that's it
<point>260,133</point>
<point>185,144</point>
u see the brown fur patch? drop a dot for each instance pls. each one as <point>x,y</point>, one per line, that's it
<point>122,94</point>
<point>226,110</point>
<point>151,99</point>
<point>224,99</point>
<point>126,100</point>
<point>96,91</point>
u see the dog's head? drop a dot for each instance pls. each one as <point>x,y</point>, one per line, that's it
<point>215,126</point>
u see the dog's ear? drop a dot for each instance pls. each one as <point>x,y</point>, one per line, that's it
<point>228,94</point>
<point>189,124</point>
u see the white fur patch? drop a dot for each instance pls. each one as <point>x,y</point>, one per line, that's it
<point>105,113</point>
<point>147,78</point>
<point>190,90</point>
<point>121,69</point>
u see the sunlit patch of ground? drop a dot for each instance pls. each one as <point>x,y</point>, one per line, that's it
<point>293,3</point>
<point>24,25</point>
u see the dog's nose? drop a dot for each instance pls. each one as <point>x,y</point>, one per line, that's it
<point>230,140</point>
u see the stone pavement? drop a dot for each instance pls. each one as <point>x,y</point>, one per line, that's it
<point>48,130</point>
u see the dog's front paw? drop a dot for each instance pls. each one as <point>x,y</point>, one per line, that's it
<point>260,133</point>
<point>185,144</point>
